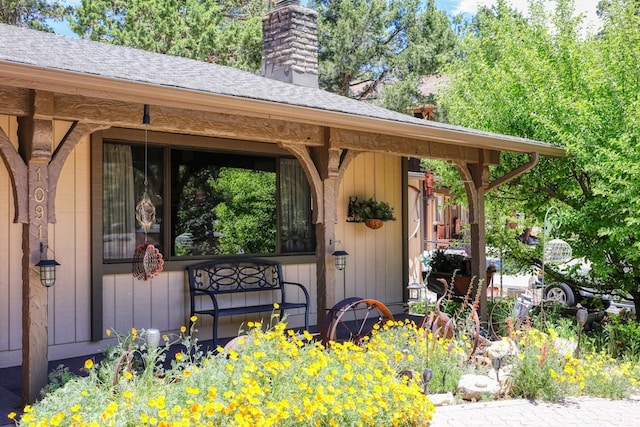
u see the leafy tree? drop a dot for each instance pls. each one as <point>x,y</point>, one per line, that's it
<point>225,32</point>
<point>372,49</point>
<point>246,218</point>
<point>543,78</point>
<point>36,14</point>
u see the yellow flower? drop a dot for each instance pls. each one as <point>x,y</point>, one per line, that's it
<point>183,329</point>
<point>276,305</point>
<point>193,318</point>
<point>12,415</point>
<point>88,364</point>
<point>178,356</point>
<point>108,332</point>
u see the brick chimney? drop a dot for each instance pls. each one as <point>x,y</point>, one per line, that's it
<point>290,44</point>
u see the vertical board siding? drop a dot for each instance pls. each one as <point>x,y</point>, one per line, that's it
<point>10,259</point>
<point>82,247</point>
<point>69,239</point>
<point>62,303</point>
<point>374,264</point>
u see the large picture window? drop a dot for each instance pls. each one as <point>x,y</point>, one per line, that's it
<point>209,204</point>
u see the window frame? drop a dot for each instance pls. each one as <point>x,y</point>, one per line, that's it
<point>168,142</point>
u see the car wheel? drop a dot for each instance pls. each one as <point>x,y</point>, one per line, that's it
<point>560,292</point>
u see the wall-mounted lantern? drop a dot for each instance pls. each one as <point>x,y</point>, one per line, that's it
<point>340,258</point>
<point>47,268</point>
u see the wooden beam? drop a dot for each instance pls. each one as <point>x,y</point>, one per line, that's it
<point>401,146</point>
<point>175,120</point>
<point>15,101</point>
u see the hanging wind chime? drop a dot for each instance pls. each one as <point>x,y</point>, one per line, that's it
<point>147,260</point>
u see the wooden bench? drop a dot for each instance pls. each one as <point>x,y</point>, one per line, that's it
<point>258,280</point>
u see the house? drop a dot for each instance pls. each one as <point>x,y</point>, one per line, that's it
<point>87,128</point>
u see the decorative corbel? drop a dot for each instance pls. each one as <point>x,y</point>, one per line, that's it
<point>76,132</point>
<point>303,155</point>
<point>18,174</point>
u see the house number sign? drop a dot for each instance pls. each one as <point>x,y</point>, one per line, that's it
<point>39,196</point>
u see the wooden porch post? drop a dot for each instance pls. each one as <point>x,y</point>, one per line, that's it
<point>324,167</point>
<point>35,134</point>
<point>476,181</point>
<point>325,235</point>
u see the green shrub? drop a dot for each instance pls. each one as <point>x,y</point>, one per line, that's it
<point>623,338</point>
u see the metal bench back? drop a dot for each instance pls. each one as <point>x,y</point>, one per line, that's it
<point>232,276</point>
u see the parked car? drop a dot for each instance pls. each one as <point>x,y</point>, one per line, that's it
<point>569,294</point>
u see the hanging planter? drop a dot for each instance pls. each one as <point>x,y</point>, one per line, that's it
<point>372,212</point>
<point>374,223</point>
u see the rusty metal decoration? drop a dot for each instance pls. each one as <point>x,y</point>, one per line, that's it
<point>353,319</point>
<point>145,212</point>
<point>147,260</point>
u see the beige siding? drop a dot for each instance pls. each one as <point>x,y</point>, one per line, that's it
<point>374,265</point>
<point>415,227</point>
<point>69,237</point>
<point>10,263</point>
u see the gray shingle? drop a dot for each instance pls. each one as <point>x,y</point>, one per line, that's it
<point>46,50</point>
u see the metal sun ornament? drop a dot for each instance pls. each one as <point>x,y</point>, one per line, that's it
<point>147,260</point>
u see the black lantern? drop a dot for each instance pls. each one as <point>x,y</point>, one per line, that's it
<point>47,268</point>
<point>417,292</point>
<point>340,258</point>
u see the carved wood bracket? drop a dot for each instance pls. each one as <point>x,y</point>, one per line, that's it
<point>303,155</point>
<point>18,174</point>
<point>475,177</point>
<point>66,146</point>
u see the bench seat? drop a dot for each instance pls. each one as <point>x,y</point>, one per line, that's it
<point>214,278</point>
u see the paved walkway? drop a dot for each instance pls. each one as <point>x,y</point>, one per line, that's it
<point>575,411</point>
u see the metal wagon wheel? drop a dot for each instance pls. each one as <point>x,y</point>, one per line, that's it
<point>352,319</point>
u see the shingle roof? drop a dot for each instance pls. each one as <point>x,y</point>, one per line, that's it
<point>56,52</point>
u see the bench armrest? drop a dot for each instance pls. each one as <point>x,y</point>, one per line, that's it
<point>306,292</point>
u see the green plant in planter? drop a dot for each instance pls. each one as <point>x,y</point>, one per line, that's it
<point>443,262</point>
<point>373,209</point>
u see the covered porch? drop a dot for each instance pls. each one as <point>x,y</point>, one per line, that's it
<point>63,98</point>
